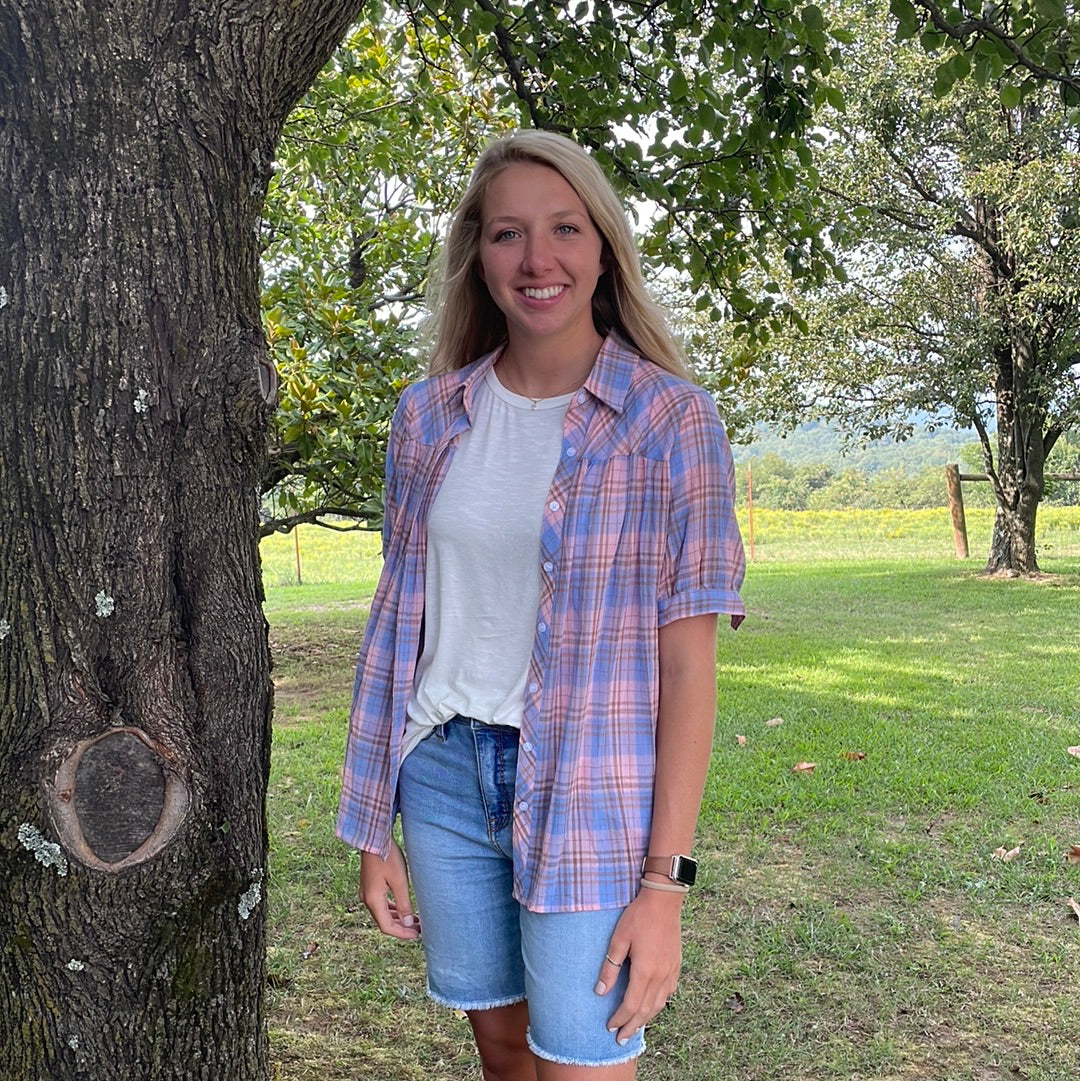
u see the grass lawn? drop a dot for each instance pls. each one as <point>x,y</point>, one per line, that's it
<point>852,921</point>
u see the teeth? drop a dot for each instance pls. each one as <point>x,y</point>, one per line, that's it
<point>543,294</point>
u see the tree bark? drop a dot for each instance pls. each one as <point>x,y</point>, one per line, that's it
<point>136,140</point>
<point>1020,388</point>
<point>1018,476</point>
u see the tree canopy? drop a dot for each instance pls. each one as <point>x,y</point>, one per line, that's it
<point>954,220</point>
<point>699,113</point>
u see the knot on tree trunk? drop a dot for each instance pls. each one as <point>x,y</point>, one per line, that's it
<point>117,800</point>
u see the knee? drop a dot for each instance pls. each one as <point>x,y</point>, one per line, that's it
<point>504,1050</point>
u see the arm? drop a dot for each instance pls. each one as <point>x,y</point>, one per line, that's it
<point>649,932</point>
<point>384,883</point>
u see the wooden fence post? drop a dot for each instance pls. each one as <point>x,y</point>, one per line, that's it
<point>956,509</point>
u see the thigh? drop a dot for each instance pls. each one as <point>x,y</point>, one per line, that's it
<point>462,879</point>
<point>563,953</point>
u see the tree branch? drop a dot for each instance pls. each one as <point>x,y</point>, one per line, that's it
<point>960,33</point>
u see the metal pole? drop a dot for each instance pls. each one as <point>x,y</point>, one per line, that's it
<point>750,506</point>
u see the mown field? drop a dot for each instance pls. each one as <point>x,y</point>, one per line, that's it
<point>857,920</point>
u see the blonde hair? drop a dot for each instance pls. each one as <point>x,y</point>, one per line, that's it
<point>465,322</point>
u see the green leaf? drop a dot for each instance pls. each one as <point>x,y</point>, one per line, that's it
<point>1053,10</point>
<point>678,88</point>
<point>835,98</point>
<point>907,18</point>
<point>1010,95</point>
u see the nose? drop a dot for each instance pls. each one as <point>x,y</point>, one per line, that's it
<point>537,256</point>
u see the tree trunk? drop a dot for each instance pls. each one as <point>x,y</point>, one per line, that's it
<point>135,144</point>
<point>1020,390</point>
<point>1019,475</point>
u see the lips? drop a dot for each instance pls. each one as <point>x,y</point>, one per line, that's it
<point>548,293</point>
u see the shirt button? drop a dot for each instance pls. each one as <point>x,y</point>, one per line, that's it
<point>549,566</point>
<point>533,688</point>
<point>553,505</point>
<point>570,452</point>
<point>526,746</point>
<point>581,397</point>
<point>523,806</point>
<point>542,627</point>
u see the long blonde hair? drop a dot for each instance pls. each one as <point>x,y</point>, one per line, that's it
<point>465,322</point>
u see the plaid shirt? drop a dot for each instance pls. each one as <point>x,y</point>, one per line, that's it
<point>638,530</point>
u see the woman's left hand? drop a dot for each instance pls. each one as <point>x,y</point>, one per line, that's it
<point>649,936</point>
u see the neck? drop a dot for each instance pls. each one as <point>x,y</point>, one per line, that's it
<point>548,371</point>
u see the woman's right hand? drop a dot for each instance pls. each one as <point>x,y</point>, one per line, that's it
<point>384,889</point>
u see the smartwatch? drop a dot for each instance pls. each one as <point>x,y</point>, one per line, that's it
<point>682,870</point>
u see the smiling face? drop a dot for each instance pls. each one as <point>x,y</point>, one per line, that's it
<point>541,257</point>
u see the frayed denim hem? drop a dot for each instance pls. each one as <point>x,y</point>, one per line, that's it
<point>491,1004</point>
<point>562,1060</point>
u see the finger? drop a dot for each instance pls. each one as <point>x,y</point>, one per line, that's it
<point>387,914</point>
<point>407,918</point>
<point>609,973</point>
<point>641,1003</point>
<point>394,924</point>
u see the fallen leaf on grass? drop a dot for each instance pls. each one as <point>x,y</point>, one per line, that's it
<point>741,740</point>
<point>1074,906</point>
<point>1074,751</point>
<point>777,721</point>
<point>309,951</point>
<point>1006,855</point>
<point>804,767</point>
<point>854,756</point>
<point>736,1003</point>
<point>1073,855</point>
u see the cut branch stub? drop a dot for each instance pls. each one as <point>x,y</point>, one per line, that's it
<point>117,800</point>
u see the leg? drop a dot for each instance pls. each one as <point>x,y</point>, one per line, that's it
<point>557,1071</point>
<point>563,953</point>
<point>500,1039</point>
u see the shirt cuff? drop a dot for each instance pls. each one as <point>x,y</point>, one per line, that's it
<point>700,602</point>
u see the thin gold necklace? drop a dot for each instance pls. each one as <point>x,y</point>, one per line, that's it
<point>544,397</point>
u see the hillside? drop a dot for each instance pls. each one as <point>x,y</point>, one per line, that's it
<point>817,443</point>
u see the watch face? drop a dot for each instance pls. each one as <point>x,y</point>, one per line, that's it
<point>684,870</point>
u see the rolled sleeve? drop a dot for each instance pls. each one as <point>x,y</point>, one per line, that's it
<point>704,563</point>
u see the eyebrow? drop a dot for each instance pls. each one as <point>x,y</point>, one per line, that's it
<point>572,213</point>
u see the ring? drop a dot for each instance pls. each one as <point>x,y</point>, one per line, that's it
<point>608,958</point>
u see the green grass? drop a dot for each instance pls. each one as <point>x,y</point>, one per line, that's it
<point>852,922</point>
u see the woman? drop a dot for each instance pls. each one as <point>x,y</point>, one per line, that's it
<point>536,689</point>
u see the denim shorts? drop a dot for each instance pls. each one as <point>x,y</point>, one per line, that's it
<point>482,948</point>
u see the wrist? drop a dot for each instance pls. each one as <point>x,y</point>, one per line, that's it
<point>663,893</point>
<point>679,870</point>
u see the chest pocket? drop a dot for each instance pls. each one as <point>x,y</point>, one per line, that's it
<point>615,533</point>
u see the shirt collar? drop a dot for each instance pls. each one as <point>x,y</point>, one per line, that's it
<point>609,379</point>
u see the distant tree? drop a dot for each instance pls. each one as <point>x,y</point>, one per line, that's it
<point>1065,459</point>
<point>848,490</point>
<point>954,215</point>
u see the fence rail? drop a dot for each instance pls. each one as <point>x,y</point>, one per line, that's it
<point>953,478</point>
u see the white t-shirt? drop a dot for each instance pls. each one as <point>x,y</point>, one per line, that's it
<point>482,587</point>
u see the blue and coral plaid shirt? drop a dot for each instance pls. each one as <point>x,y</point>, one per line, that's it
<point>638,530</point>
